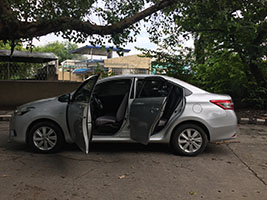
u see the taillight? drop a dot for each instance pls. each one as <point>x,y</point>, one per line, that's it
<point>224,104</point>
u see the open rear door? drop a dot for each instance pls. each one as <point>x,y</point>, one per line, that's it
<point>147,108</point>
<point>79,115</point>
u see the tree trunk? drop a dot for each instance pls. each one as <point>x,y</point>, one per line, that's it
<point>199,50</point>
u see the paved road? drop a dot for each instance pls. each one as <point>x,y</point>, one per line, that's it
<point>131,171</point>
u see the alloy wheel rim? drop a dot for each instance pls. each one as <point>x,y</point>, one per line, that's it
<point>45,138</point>
<point>190,140</point>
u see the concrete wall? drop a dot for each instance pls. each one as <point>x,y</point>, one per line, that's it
<point>69,75</point>
<point>133,61</point>
<point>16,92</point>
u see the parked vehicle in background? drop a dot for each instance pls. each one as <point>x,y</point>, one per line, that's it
<point>127,108</point>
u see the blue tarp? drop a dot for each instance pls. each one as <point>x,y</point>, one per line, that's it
<point>81,71</point>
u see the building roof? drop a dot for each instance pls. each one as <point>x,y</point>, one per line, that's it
<point>97,50</point>
<point>26,56</point>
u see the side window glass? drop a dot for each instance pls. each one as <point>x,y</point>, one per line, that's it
<point>139,85</point>
<point>113,88</point>
<point>155,88</point>
<point>83,94</point>
<point>132,92</point>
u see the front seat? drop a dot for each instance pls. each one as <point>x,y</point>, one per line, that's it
<point>113,120</point>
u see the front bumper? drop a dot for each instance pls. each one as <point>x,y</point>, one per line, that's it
<point>17,129</point>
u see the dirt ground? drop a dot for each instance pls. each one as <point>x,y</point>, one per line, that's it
<point>131,171</point>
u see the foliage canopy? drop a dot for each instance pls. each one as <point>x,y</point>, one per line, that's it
<point>60,49</point>
<point>76,20</point>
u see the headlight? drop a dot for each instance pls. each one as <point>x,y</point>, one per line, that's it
<point>23,110</point>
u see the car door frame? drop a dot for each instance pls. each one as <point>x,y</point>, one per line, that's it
<point>83,117</point>
<point>157,112</point>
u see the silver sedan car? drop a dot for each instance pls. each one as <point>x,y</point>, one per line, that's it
<point>127,108</point>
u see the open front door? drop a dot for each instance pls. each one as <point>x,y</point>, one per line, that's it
<point>79,115</point>
<point>147,108</point>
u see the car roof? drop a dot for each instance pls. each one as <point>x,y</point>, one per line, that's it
<point>188,86</point>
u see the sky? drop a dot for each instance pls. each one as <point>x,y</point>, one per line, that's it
<point>142,41</point>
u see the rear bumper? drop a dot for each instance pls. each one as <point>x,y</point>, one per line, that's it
<point>223,128</point>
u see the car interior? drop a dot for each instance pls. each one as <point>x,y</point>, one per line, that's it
<point>110,102</point>
<point>162,88</point>
<point>173,100</point>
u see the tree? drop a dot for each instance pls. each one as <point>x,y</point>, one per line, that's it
<point>24,19</point>
<point>238,26</point>
<point>165,61</point>
<point>7,45</point>
<point>60,49</point>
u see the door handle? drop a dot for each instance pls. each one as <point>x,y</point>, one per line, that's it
<point>139,104</point>
<point>153,109</point>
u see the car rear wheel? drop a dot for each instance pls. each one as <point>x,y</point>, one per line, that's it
<point>46,137</point>
<point>189,140</point>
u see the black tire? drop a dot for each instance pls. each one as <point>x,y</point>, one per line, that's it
<point>183,147</point>
<point>56,137</point>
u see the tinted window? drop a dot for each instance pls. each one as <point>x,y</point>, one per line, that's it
<point>155,88</point>
<point>83,94</point>
<point>113,88</point>
<point>139,85</point>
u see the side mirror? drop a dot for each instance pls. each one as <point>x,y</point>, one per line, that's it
<point>64,97</point>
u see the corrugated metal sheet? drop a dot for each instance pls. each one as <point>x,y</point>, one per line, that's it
<point>26,56</point>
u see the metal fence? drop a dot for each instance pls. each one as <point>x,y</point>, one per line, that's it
<point>68,71</point>
<point>27,71</point>
<point>78,70</point>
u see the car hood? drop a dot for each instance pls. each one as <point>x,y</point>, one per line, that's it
<point>38,102</point>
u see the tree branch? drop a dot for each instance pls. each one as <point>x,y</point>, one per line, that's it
<point>17,29</point>
<point>207,30</point>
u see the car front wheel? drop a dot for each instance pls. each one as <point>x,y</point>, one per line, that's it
<point>188,140</point>
<point>45,137</point>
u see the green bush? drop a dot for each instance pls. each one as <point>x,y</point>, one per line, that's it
<point>224,72</point>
